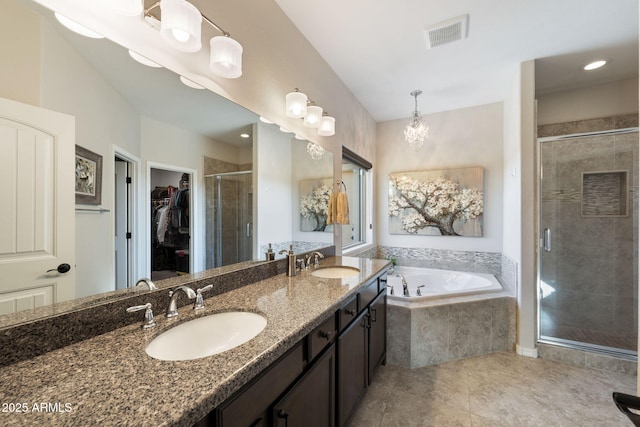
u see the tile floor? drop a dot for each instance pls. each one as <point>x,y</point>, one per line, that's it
<point>497,390</point>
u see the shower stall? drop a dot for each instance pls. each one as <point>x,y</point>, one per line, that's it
<point>588,256</point>
<point>229,218</point>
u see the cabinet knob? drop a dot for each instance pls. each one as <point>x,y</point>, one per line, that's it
<point>325,335</point>
<point>350,312</point>
<point>283,415</point>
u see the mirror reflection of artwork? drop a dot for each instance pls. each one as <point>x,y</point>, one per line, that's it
<point>437,203</point>
<point>88,177</point>
<point>314,203</point>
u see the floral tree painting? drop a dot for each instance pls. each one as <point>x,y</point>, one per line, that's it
<point>314,204</point>
<point>438,203</point>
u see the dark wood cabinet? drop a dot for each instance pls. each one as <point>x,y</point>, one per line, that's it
<point>377,333</point>
<point>311,401</point>
<point>322,379</point>
<point>352,367</point>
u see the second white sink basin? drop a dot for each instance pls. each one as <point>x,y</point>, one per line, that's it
<point>206,336</point>
<point>337,272</point>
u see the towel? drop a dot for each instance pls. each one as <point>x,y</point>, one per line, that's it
<point>331,209</point>
<point>342,208</point>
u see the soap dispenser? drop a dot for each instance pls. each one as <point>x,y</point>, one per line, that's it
<point>291,261</point>
<point>270,255</point>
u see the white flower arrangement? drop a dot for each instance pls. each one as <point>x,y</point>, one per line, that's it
<point>315,206</point>
<point>438,204</point>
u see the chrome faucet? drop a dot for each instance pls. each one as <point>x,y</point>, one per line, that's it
<point>145,282</point>
<point>172,309</point>
<point>199,304</point>
<point>418,292</point>
<point>316,260</point>
<point>405,286</point>
<point>149,320</point>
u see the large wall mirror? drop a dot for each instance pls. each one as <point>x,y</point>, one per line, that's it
<point>235,183</point>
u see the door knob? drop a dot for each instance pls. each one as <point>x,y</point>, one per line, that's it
<point>62,268</point>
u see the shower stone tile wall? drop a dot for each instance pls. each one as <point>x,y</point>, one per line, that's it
<point>590,273</point>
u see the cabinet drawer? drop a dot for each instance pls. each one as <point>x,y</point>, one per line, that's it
<point>249,405</point>
<point>382,283</point>
<point>347,313</point>
<point>321,337</point>
<point>368,293</point>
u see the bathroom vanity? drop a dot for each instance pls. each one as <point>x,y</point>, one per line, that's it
<point>316,356</point>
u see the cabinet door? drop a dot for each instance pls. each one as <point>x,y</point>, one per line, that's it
<point>352,367</point>
<point>311,401</point>
<point>377,333</point>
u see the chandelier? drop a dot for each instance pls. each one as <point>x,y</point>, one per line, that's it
<point>416,131</point>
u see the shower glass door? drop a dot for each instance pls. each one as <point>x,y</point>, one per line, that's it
<point>229,212</point>
<point>588,257</point>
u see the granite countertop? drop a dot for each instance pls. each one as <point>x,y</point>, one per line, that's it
<point>109,380</point>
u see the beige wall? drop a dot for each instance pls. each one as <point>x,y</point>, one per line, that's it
<point>457,139</point>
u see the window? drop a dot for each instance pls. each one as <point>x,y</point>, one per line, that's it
<point>355,183</point>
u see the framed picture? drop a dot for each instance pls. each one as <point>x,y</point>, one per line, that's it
<point>314,204</point>
<point>88,177</point>
<point>447,202</point>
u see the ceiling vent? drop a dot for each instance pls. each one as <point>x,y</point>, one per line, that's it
<point>447,32</point>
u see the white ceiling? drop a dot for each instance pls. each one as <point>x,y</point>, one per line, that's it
<point>379,51</point>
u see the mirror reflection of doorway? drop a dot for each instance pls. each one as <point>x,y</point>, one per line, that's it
<point>229,201</point>
<point>170,223</point>
<point>122,222</point>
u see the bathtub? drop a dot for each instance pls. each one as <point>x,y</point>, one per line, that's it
<point>438,284</point>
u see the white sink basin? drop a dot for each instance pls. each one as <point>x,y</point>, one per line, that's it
<point>206,336</point>
<point>335,272</point>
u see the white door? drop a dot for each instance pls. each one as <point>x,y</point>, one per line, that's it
<point>121,239</point>
<point>37,218</point>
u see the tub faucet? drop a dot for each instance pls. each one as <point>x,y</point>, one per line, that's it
<point>405,286</point>
<point>172,309</point>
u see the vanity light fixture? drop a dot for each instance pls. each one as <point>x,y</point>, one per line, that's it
<point>180,27</point>
<point>595,65</point>
<point>313,117</point>
<point>190,83</point>
<point>416,131</point>
<point>327,125</point>
<point>296,104</point>
<point>299,106</point>
<point>143,60</point>
<point>77,28</point>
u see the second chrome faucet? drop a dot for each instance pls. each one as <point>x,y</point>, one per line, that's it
<point>172,308</point>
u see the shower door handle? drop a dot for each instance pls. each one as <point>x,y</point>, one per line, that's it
<point>546,240</point>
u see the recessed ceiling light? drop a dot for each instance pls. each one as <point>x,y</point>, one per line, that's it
<point>595,65</point>
<point>244,135</point>
<point>190,83</point>
<point>77,28</point>
<point>144,61</point>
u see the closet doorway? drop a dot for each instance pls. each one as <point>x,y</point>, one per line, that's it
<point>170,222</point>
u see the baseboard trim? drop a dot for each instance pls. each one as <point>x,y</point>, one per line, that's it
<point>528,352</point>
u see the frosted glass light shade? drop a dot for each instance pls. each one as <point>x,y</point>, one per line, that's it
<point>125,7</point>
<point>180,25</point>
<point>77,28</point>
<point>296,105</point>
<point>327,126</point>
<point>226,57</point>
<point>313,117</point>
